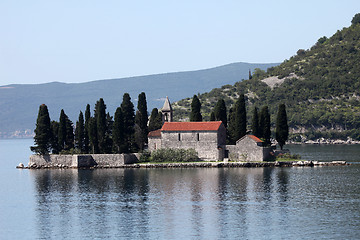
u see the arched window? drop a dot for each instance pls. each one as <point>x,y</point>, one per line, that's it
<point>198,137</point>
<point>179,137</point>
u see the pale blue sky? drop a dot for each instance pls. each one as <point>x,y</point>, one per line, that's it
<point>84,40</point>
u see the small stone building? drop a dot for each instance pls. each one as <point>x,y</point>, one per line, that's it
<point>249,148</point>
<point>207,138</point>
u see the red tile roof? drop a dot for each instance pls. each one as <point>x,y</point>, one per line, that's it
<point>256,139</point>
<point>156,133</point>
<point>191,126</point>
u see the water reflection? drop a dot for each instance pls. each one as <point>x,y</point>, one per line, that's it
<point>170,203</point>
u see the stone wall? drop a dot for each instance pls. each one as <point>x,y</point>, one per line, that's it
<point>154,143</point>
<point>205,143</point>
<point>78,161</point>
<point>247,150</point>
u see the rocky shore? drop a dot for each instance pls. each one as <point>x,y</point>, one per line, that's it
<point>199,165</point>
<point>326,141</point>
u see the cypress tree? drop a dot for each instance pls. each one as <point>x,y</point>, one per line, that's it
<point>255,123</point>
<point>142,120</point>
<point>282,128</point>
<point>240,118</point>
<point>155,121</point>
<point>54,137</point>
<point>92,130</point>
<point>118,131</point>
<point>86,131</point>
<point>62,130</point>
<point>127,108</point>
<point>100,117</point>
<point>108,134</point>
<point>195,115</point>
<point>139,138</point>
<point>69,140</point>
<point>80,134</point>
<point>212,116</point>
<point>265,125</point>
<point>220,112</point>
<point>42,131</point>
<point>230,133</point>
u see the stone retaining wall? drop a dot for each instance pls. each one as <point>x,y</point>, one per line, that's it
<point>79,161</point>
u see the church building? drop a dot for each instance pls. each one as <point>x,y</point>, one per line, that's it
<point>207,138</point>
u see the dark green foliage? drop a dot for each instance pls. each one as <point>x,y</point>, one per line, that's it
<point>174,155</point>
<point>108,134</point>
<point>220,112</point>
<point>212,117</point>
<point>282,128</point>
<point>62,130</point>
<point>265,125</point>
<point>141,121</point>
<point>93,133</point>
<point>86,132</point>
<point>100,117</point>
<point>230,138</point>
<point>195,114</point>
<point>255,123</point>
<point>127,108</point>
<point>118,132</point>
<point>80,134</point>
<point>237,121</point>
<point>54,137</point>
<point>66,132</point>
<point>43,134</point>
<point>240,118</point>
<point>155,121</point>
<point>356,19</point>
<point>69,140</point>
<point>322,95</point>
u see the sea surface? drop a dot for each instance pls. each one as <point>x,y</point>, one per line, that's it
<point>198,203</point>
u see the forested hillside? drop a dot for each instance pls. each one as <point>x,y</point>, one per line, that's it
<point>19,103</point>
<point>320,87</point>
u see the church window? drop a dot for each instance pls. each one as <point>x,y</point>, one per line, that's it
<point>179,137</point>
<point>198,137</point>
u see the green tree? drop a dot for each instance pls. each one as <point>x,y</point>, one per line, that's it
<point>230,133</point>
<point>80,134</point>
<point>141,120</point>
<point>66,132</point>
<point>54,137</point>
<point>127,108</point>
<point>69,140</point>
<point>155,121</point>
<point>100,117</point>
<point>118,131</point>
<point>255,123</point>
<point>356,19</point>
<point>282,128</point>
<point>265,125</point>
<point>195,115</point>
<point>86,131</point>
<point>212,116</point>
<point>92,130</point>
<point>220,112</point>
<point>240,118</point>
<point>42,131</point>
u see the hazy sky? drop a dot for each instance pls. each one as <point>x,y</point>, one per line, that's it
<point>84,40</point>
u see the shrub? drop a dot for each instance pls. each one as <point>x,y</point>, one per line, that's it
<point>174,155</point>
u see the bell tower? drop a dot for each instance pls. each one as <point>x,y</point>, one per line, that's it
<point>166,111</point>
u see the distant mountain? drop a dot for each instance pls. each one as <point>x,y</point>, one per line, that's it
<point>19,103</point>
<point>320,87</point>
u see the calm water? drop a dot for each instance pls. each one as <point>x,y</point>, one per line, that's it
<point>242,203</point>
